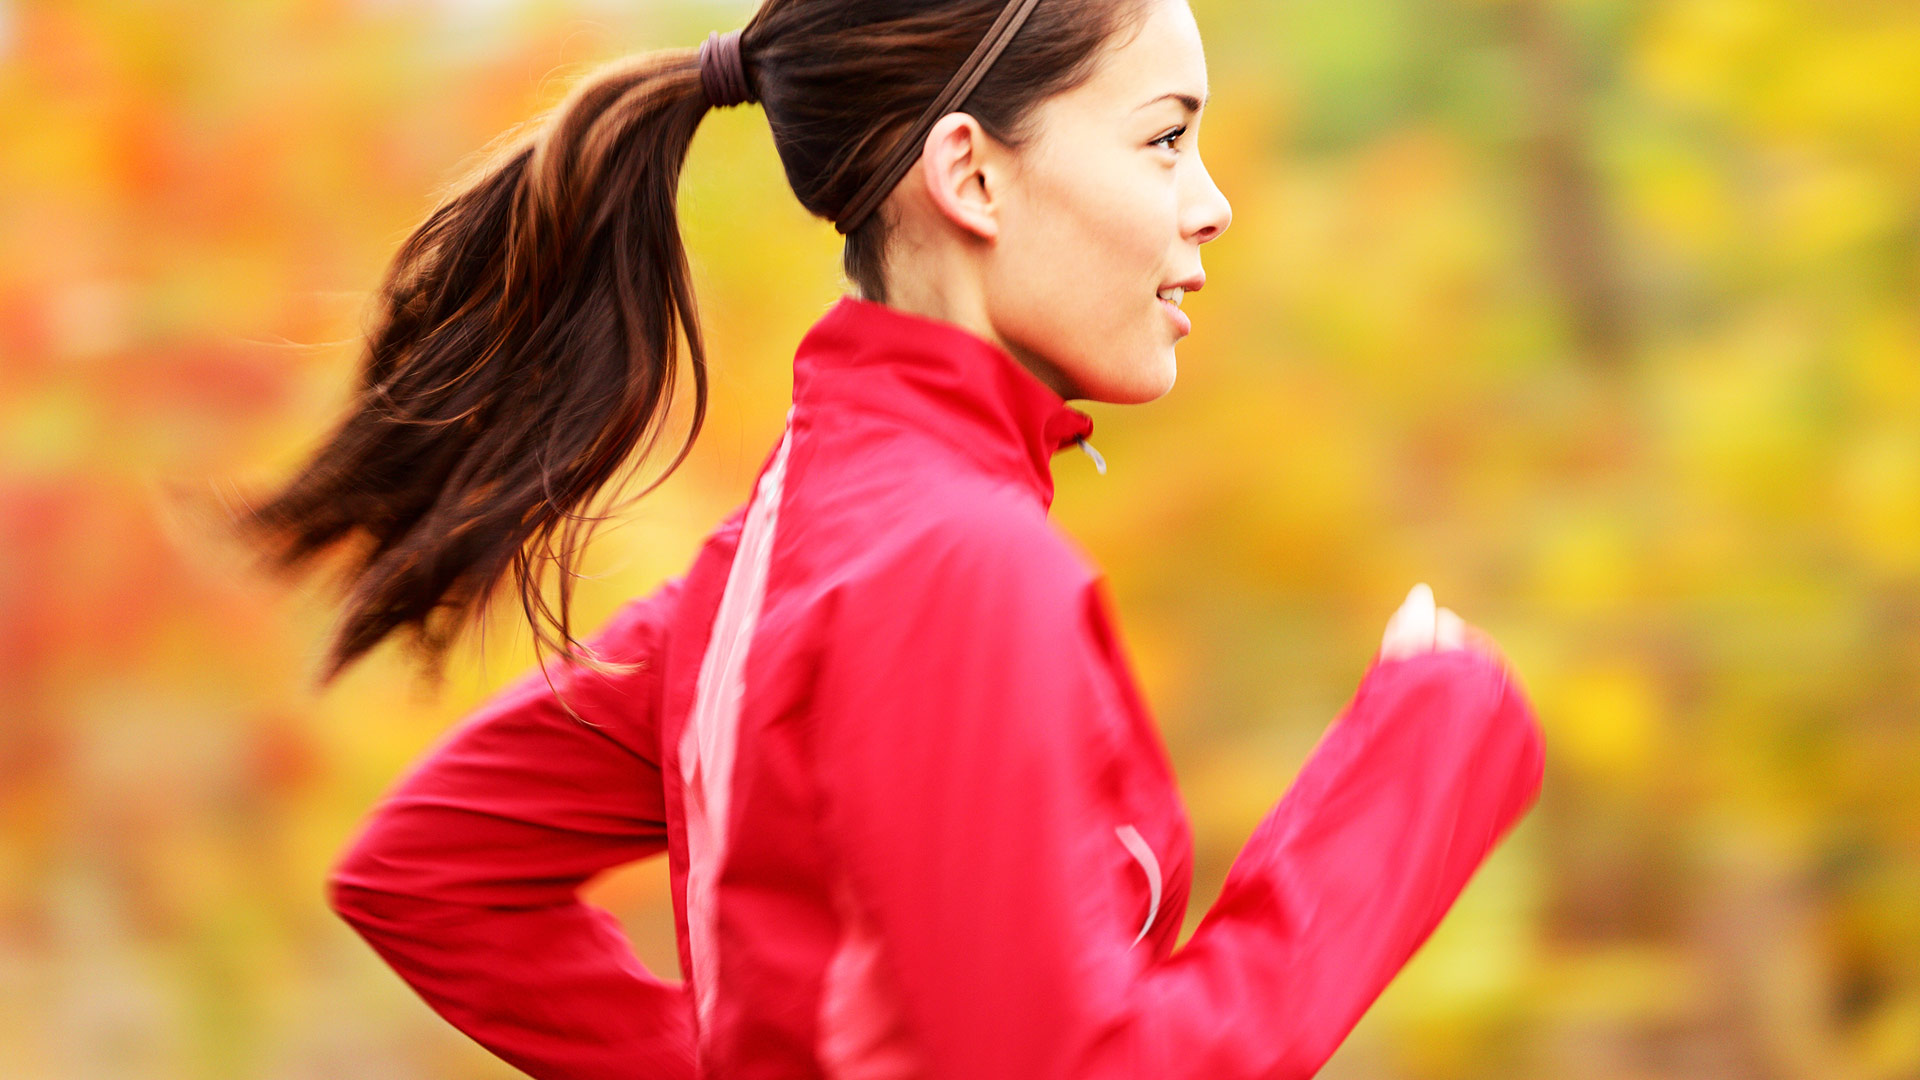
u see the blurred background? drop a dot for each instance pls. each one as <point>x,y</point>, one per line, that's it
<point>1600,316</point>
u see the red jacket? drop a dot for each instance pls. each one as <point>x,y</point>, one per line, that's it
<point>952,844</point>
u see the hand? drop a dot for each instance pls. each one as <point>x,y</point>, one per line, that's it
<point>1419,627</point>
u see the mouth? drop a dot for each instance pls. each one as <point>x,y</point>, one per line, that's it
<point>1169,300</point>
<point>1174,292</point>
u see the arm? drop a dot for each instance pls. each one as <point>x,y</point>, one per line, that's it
<point>957,752</point>
<point>465,879</point>
<point>1429,766</point>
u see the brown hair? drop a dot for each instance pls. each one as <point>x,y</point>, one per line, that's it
<point>526,339</point>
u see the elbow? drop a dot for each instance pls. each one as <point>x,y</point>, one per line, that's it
<point>355,879</point>
<point>392,875</point>
<point>340,893</point>
<point>370,904</point>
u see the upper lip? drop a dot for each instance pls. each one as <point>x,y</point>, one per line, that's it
<point>1192,284</point>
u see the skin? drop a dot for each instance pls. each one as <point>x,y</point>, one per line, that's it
<point>1418,626</point>
<point>1055,252</point>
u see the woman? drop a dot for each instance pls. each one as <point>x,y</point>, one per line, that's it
<point>918,817</point>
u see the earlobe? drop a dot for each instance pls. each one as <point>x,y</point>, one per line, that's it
<point>951,167</point>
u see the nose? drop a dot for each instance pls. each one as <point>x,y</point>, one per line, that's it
<point>1208,213</point>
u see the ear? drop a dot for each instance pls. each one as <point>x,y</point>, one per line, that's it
<point>960,167</point>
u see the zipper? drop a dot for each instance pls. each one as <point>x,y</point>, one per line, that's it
<point>1099,463</point>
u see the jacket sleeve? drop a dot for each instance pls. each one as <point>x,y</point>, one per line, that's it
<point>958,758</point>
<point>466,876</point>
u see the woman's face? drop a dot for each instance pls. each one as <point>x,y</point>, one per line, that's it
<point>1103,210</point>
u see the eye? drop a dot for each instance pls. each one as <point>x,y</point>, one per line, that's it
<point>1167,139</point>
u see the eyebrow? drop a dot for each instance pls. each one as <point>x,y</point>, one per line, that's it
<point>1193,104</point>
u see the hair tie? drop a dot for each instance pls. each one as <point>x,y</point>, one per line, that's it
<point>723,75</point>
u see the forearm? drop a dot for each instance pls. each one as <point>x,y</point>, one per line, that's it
<point>556,991</point>
<point>465,878</point>
<point>1346,877</point>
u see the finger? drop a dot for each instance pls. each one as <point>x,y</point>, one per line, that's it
<point>1419,599</point>
<point>1411,628</point>
<point>1402,638</point>
<point>1395,645</point>
<point>1416,613</point>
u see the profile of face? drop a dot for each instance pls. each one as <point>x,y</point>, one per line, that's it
<point>1064,251</point>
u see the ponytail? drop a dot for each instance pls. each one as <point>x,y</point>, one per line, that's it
<point>527,337</point>
<point>526,344</point>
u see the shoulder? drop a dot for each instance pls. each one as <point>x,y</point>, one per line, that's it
<point>973,541</point>
<point>979,628</point>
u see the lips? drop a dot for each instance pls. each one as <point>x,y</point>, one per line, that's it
<point>1180,321</point>
<point>1171,295</point>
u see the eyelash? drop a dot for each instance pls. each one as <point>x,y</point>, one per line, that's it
<point>1174,134</point>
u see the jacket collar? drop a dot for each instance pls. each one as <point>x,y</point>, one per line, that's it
<point>942,379</point>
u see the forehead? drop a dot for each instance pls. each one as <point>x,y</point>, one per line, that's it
<point>1161,54</point>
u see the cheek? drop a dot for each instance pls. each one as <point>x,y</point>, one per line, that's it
<point>1074,281</point>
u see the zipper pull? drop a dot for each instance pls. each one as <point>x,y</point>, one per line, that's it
<point>1099,463</point>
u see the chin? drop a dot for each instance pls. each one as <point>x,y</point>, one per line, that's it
<point>1159,377</point>
<point>1148,383</point>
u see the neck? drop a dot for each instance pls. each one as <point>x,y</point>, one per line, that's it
<point>934,377</point>
<point>957,295</point>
